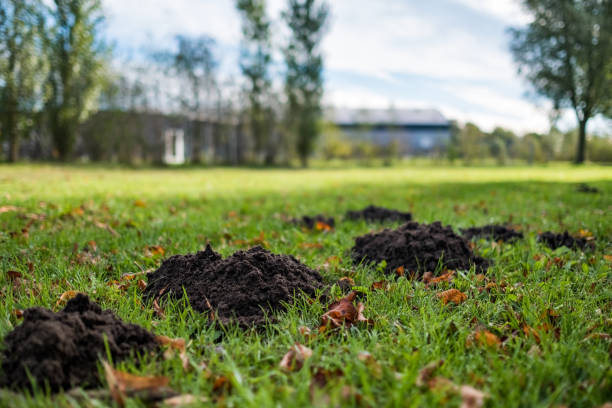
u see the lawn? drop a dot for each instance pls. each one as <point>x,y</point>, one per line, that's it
<point>80,228</point>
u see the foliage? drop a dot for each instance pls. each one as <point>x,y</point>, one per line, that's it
<point>22,69</point>
<point>255,59</point>
<point>76,56</point>
<point>566,54</point>
<point>307,21</point>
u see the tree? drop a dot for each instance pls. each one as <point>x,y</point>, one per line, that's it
<point>306,20</point>
<point>77,60</point>
<point>21,66</point>
<point>566,54</point>
<point>255,58</point>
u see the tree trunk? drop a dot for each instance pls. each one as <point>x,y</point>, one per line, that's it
<point>580,153</point>
<point>196,147</point>
<point>12,136</point>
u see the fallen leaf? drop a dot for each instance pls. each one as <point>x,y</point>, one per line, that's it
<point>12,275</point>
<point>380,285</point>
<point>139,203</point>
<point>66,296</point>
<point>106,227</point>
<point>323,226</point>
<point>305,331</point>
<point>158,309</point>
<point>445,277</point>
<point>294,359</point>
<point>221,383</point>
<point>311,245</point>
<point>530,331</point>
<point>154,250</point>
<point>184,400</point>
<point>343,312</point>
<point>486,338</point>
<point>142,285</point>
<point>8,208</point>
<point>471,397</point>
<point>175,345</point>
<point>608,258</point>
<point>400,270</point>
<point>426,373</point>
<point>121,384</point>
<point>452,295</point>
<point>598,336</point>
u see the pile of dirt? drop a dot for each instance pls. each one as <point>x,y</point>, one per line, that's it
<point>62,349</point>
<point>311,222</point>
<point>379,214</point>
<point>493,232</point>
<point>585,188</point>
<point>554,240</point>
<point>240,288</point>
<point>415,248</point>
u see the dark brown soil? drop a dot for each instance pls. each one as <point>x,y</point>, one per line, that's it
<point>554,240</point>
<point>493,232</point>
<point>585,188</point>
<point>241,288</point>
<point>379,214</point>
<point>417,248</point>
<point>62,349</point>
<point>310,222</point>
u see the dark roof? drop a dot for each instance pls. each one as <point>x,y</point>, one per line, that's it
<point>347,116</point>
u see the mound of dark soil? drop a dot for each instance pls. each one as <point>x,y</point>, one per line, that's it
<point>417,248</point>
<point>240,288</point>
<point>492,231</point>
<point>63,348</point>
<point>310,222</point>
<point>585,188</point>
<point>373,213</point>
<point>554,241</point>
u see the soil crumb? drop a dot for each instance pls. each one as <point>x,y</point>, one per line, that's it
<point>379,214</point>
<point>493,232</point>
<point>62,349</point>
<point>554,240</point>
<point>241,288</point>
<point>313,222</point>
<point>414,248</point>
<point>585,188</point>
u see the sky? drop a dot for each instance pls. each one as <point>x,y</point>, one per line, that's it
<point>451,55</point>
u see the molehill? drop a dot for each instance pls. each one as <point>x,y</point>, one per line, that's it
<point>493,232</point>
<point>310,222</point>
<point>62,349</point>
<point>241,288</point>
<point>554,240</point>
<point>417,248</point>
<point>379,214</point>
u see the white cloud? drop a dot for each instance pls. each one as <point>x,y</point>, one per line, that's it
<point>509,11</point>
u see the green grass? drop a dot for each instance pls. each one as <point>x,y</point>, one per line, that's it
<point>186,208</point>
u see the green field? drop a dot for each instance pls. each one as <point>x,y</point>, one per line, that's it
<point>52,213</point>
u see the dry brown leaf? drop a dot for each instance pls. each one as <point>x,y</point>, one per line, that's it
<point>426,373</point>
<point>445,277</point>
<point>184,400</point>
<point>343,312</point>
<point>120,383</point>
<point>8,208</point>
<point>66,296</point>
<point>452,295</point>
<point>142,285</point>
<point>608,258</point>
<point>311,245</point>
<point>380,285</point>
<point>106,227</point>
<point>154,250</point>
<point>400,270</point>
<point>222,383</point>
<point>139,203</point>
<point>323,226</point>
<point>530,331</point>
<point>294,359</point>
<point>175,345</point>
<point>13,275</point>
<point>486,338</point>
<point>471,397</point>
<point>598,336</point>
<point>158,309</point>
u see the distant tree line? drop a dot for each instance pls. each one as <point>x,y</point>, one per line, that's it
<point>60,80</point>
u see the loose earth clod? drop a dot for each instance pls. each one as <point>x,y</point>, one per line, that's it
<point>241,288</point>
<point>63,349</point>
<point>554,240</point>
<point>379,214</point>
<point>493,232</point>
<point>417,248</point>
